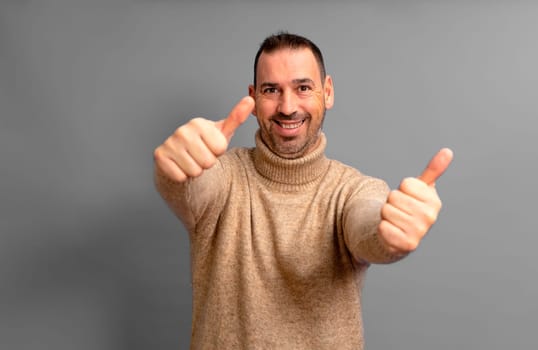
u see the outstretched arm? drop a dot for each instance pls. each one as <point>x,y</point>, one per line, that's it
<point>190,151</point>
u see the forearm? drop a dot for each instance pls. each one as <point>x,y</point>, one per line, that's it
<point>362,234</point>
<point>361,224</point>
<point>175,195</point>
<point>189,199</point>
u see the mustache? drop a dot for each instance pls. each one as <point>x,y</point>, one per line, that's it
<point>293,116</point>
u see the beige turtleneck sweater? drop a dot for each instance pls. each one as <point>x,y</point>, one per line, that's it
<point>279,249</point>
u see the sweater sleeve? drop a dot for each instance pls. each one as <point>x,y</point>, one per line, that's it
<point>190,199</point>
<point>362,215</point>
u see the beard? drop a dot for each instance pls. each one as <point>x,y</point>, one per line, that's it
<point>295,146</point>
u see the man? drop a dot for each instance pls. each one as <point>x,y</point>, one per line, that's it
<point>281,236</point>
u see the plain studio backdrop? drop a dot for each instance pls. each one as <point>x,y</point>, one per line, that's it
<point>90,256</point>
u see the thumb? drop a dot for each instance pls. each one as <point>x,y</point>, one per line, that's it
<point>437,166</point>
<point>238,115</point>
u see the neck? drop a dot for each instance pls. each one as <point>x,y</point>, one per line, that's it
<point>297,171</point>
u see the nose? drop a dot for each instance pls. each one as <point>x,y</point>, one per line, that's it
<point>288,103</point>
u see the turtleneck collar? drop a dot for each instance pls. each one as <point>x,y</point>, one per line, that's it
<point>300,171</point>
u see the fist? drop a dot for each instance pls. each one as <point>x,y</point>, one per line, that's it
<point>413,208</point>
<point>195,146</point>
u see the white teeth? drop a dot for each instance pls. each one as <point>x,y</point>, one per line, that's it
<point>291,126</point>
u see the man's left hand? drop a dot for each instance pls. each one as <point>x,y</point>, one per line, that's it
<point>413,208</point>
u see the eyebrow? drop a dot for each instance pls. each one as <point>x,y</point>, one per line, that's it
<point>294,81</point>
<point>268,84</point>
<point>303,81</point>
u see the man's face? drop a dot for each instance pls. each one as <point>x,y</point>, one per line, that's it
<point>291,100</point>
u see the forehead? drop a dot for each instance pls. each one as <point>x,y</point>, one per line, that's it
<point>285,65</point>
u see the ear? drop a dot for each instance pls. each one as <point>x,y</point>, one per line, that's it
<point>252,93</point>
<point>328,92</point>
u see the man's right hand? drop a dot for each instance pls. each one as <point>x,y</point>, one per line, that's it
<point>195,146</point>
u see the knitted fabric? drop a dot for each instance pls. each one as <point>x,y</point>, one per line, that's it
<point>279,249</point>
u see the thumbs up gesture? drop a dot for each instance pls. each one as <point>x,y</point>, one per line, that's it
<point>413,208</point>
<point>195,146</point>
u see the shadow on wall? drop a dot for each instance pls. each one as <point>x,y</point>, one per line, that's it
<point>116,279</point>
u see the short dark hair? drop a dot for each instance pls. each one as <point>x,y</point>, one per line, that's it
<point>283,40</point>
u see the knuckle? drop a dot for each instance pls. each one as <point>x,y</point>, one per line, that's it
<point>438,203</point>
<point>207,162</point>
<point>195,172</point>
<point>192,127</point>
<point>384,228</point>
<point>392,196</point>
<point>157,154</point>
<point>422,227</point>
<point>197,124</point>
<point>384,237</point>
<point>179,177</point>
<point>219,146</point>
<point>384,212</point>
<point>412,245</point>
<point>160,158</point>
<point>431,216</point>
<point>406,184</point>
<point>182,133</point>
<point>168,148</point>
<point>198,121</point>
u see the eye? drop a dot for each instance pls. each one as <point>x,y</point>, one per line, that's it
<point>304,90</point>
<point>270,90</point>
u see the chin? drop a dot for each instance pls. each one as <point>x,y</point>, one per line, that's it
<point>292,152</point>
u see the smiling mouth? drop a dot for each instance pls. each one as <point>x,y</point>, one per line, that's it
<point>289,124</point>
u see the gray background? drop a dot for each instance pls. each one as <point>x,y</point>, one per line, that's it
<point>91,258</point>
